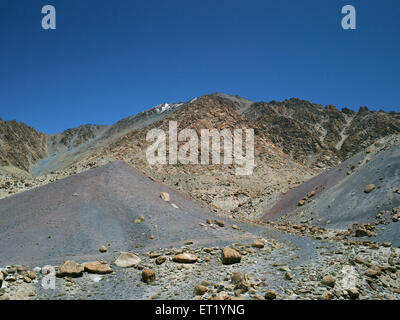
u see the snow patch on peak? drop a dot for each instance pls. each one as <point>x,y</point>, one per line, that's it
<point>166,106</point>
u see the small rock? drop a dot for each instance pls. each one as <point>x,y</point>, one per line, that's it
<point>328,281</point>
<point>289,276</point>
<point>327,295</point>
<point>353,293</point>
<point>230,256</point>
<point>270,295</point>
<point>103,249</point>
<point>369,188</point>
<point>219,223</point>
<point>185,258</point>
<point>160,260</point>
<point>200,290</point>
<point>237,278</point>
<point>148,275</point>
<point>362,232</point>
<point>311,194</point>
<point>301,203</point>
<point>235,227</point>
<point>165,196</point>
<point>373,273</point>
<point>258,244</point>
<point>155,254</point>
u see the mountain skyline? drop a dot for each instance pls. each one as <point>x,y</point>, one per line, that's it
<point>162,105</point>
<point>104,63</point>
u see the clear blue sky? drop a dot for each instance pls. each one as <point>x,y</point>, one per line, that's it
<point>111,59</point>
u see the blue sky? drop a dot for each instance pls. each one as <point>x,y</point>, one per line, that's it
<point>110,59</point>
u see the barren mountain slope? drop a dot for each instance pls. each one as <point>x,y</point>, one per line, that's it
<point>320,136</point>
<point>74,216</point>
<point>294,140</point>
<point>20,147</point>
<point>362,191</point>
<point>217,185</point>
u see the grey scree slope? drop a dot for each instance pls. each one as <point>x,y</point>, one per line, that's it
<point>71,218</point>
<point>341,200</point>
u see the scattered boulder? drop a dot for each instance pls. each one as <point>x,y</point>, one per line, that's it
<point>327,295</point>
<point>103,249</point>
<point>373,273</point>
<point>165,196</point>
<point>258,244</point>
<point>311,194</point>
<point>230,256</point>
<point>160,260</point>
<point>220,223</point>
<point>127,260</point>
<point>301,203</point>
<point>148,275</point>
<point>270,295</point>
<point>353,293</point>
<point>362,232</point>
<point>98,267</point>
<point>237,278</point>
<point>328,281</point>
<point>185,258</point>
<point>235,227</point>
<point>155,254</point>
<point>200,290</point>
<point>369,188</point>
<point>70,269</point>
<point>288,275</point>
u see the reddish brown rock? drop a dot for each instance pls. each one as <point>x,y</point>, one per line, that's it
<point>70,269</point>
<point>230,256</point>
<point>148,275</point>
<point>97,267</point>
<point>185,258</point>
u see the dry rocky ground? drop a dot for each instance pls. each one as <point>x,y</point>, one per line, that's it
<point>276,266</point>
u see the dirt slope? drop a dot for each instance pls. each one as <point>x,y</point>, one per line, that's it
<point>341,201</point>
<point>75,216</point>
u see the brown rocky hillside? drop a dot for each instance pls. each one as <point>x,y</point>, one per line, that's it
<point>294,141</point>
<point>320,136</point>
<point>20,146</point>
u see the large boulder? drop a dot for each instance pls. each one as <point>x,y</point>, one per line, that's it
<point>70,269</point>
<point>230,256</point>
<point>97,267</point>
<point>185,258</point>
<point>127,260</point>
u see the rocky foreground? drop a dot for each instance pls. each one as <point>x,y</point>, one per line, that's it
<point>291,263</point>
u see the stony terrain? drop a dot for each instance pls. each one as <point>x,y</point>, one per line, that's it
<point>277,265</point>
<point>360,197</point>
<point>20,147</point>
